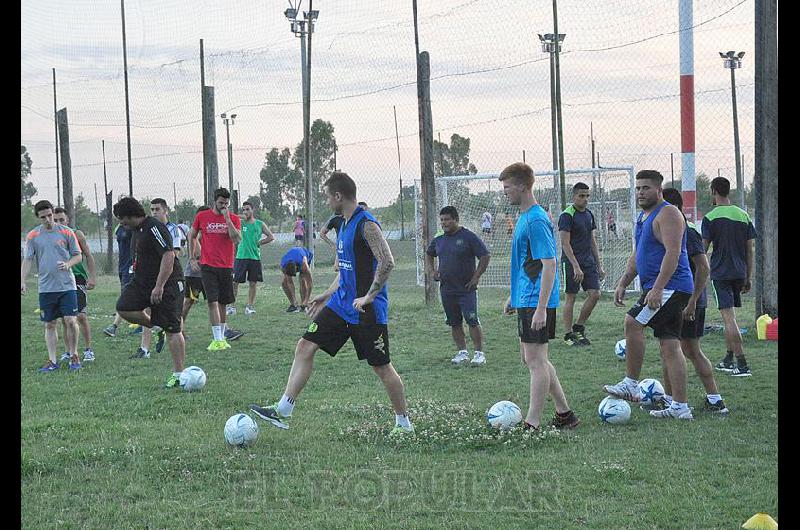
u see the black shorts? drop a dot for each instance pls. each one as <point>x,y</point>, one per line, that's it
<point>460,307</point>
<point>218,284</point>
<point>80,291</point>
<point>329,331</point>
<point>124,279</point>
<point>694,329</point>
<point>667,320</point>
<point>166,315</point>
<point>591,278</point>
<point>247,270</point>
<point>728,293</point>
<point>540,336</point>
<point>194,288</point>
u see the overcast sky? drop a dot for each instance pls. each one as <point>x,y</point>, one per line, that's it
<point>490,82</point>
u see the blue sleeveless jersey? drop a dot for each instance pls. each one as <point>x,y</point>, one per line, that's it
<point>650,251</point>
<point>357,267</point>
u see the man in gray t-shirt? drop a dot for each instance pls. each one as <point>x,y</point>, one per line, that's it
<point>55,249</point>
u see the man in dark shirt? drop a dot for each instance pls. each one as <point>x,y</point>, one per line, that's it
<point>582,265</point>
<point>729,229</point>
<point>457,249</point>
<point>157,280</point>
<point>123,236</point>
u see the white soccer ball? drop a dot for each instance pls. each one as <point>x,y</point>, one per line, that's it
<point>650,391</point>
<point>613,410</point>
<point>192,378</point>
<point>620,349</point>
<point>240,430</point>
<point>504,415</point>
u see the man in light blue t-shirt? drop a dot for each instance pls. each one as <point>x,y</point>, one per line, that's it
<point>534,295</point>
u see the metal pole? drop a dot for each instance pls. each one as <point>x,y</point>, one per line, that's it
<point>127,102</point>
<point>99,225</point>
<point>553,123</point>
<point>309,176</point>
<point>523,156</point>
<point>109,228</point>
<point>672,168</point>
<point>203,106</point>
<point>739,180</point>
<point>174,196</point>
<point>416,29</point>
<point>55,114</point>
<point>561,179</point>
<point>230,160</point>
<point>400,172</point>
<point>594,175</point>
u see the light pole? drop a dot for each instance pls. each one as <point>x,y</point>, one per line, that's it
<point>732,61</point>
<point>549,46</point>
<point>228,122</point>
<point>301,28</point>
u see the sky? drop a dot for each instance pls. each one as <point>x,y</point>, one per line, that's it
<point>490,82</point>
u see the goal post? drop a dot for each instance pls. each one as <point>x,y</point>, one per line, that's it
<point>484,209</point>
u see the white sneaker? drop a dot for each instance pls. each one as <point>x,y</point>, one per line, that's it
<point>248,310</point>
<point>461,357</point>
<point>88,356</point>
<point>478,359</point>
<point>672,412</point>
<point>623,391</point>
<point>230,310</point>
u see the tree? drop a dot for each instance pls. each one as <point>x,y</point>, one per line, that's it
<point>452,159</point>
<point>28,189</point>
<point>322,141</point>
<point>185,210</point>
<point>279,184</point>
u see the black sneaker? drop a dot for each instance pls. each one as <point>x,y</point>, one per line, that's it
<point>570,339</point>
<point>741,371</point>
<point>725,365</point>
<point>528,427</point>
<point>580,339</point>
<point>302,309</point>
<point>160,339</point>
<point>140,354</point>
<point>233,334</point>
<point>271,415</point>
<point>570,421</point>
<point>717,408</point>
<point>293,309</point>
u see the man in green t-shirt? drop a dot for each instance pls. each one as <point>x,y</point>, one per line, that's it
<point>247,267</point>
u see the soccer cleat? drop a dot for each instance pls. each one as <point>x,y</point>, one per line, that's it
<point>741,371</point>
<point>49,366</point>
<point>270,414</point>
<point>658,404</point>
<point>232,334</point>
<point>216,345</point>
<point>161,337</point>
<point>75,363</point>
<point>172,382</point>
<point>570,339</point>
<point>725,365</point>
<point>225,345</point>
<point>461,357</point>
<point>569,422</point>
<point>399,430</point>
<point>716,408</point>
<point>528,427</point>
<point>88,355</point>
<point>248,310</point>
<point>685,414</point>
<point>623,391</point>
<point>293,309</point>
<point>230,310</point>
<point>110,331</point>
<point>478,359</point>
<point>140,354</point>
<point>303,309</point>
<point>65,356</point>
<point>580,339</point>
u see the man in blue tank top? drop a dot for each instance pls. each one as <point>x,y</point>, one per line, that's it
<point>354,307</point>
<point>661,261</point>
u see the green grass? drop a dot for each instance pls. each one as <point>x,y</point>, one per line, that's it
<point>110,448</point>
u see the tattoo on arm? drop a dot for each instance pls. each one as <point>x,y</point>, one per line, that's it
<point>380,249</point>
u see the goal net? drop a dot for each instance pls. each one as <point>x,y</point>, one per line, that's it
<point>484,209</point>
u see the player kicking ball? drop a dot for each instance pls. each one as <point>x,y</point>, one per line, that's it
<point>354,307</point>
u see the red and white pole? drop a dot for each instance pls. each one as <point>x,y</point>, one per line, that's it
<point>688,182</point>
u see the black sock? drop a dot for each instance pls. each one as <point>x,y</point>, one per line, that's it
<point>729,356</point>
<point>580,328</point>
<point>741,362</point>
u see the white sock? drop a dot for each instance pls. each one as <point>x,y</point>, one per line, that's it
<point>144,349</point>
<point>402,420</point>
<point>679,406</point>
<point>224,326</point>
<point>630,382</point>
<point>714,398</point>
<point>667,398</point>
<point>463,351</point>
<point>217,331</point>
<point>285,406</point>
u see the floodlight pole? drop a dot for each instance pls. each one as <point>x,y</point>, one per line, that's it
<point>732,62</point>
<point>557,47</point>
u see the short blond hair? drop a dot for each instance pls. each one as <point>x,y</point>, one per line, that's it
<point>519,173</point>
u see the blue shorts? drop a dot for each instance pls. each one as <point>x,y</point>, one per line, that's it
<point>728,292</point>
<point>460,307</point>
<point>591,278</point>
<point>124,279</point>
<point>57,305</point>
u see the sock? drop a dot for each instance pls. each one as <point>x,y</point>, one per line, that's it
<point>580,328</point>
<point>144,349</point>
<point>463,351</point>
<point>402,420</point>
<point>564,414</point>
<point>224,326</point>
<point>668,398</point>
<point>217,331</point>
<point>729,356</point>
<point>741,362</point>
<point>87,349</point>
<point>285,406</point>
<point>630,382</point>
<point>679,406</point>
<point>714,398</point>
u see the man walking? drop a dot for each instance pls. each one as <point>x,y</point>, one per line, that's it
<point>247,267</point>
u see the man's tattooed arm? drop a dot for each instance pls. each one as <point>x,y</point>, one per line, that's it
<point>380,248</point>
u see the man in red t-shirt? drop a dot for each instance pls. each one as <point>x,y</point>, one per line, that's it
<point>219,230</point>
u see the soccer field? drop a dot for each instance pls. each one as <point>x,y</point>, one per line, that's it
<point>109,447</point>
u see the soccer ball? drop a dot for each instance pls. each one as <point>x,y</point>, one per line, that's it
<point>620,349</point>
<point>651,391</point>
<point>504,415</point>
<point>613,410</point>
<point>192,378</point>
<point>240,430</point>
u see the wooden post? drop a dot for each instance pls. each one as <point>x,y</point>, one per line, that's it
<point>66,165</point>
<point>55,115</point>
<point>203,112</point>
<point>210,143</point>
<point>429,216</point>
<point>99,224</point>
<point>109,219</point>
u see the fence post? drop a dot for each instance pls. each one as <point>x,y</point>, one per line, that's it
<point>426,162</point>
<point>66,165</point>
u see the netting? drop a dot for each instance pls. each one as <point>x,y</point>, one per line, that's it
<point>612,202</point>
